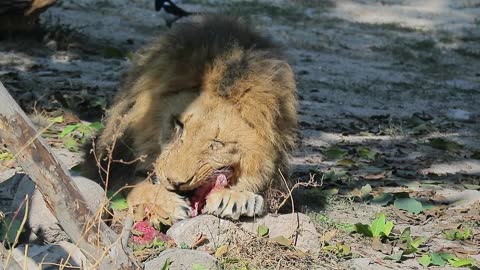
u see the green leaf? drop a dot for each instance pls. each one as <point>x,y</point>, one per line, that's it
<point>470,186</point>
<point>396,256</point>
<point>461,262</point>
<point>58,119</point>
<point>382,199</point>
<point>346,162</point>
<point>157,243</point>
<point>68,129</point>
<point>448,256</point>
<point>197,266</point>
<point>366,189</point>
<point>366,153</point>
<point>112,52</point>
<point>363,229</point>
<point>281,241</point>
<point>344,249</point>
<point>388,228</point>
<point>118,201</point>
<point>83,129</point>
<point>130,55</point>
<point>427,206</point>
<point>409,204</point>
<point>437,259</point>
<point>6,156</point>
<point>425,260</point>
<point>406,235</point>
<point>263,230</point>
<point>11,234</point>
<point>363,193</point>
<point>335,153</point>
<point>166,265</point>
<point>444,144</point>
<point>418,241</point>
<point>423,129</point>
<point>71,144</point>
<point>378,226</point>
<point>459,234</point>
<point>475,155</point>
<point>467,234</point>
<point>184,245</point>
<point>97,126</point>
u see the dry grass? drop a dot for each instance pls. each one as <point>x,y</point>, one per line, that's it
<point>247,251</point>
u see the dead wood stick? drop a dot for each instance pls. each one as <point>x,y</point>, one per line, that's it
<point>98,242</point>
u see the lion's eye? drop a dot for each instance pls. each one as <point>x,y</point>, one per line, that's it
<point>215,145</point>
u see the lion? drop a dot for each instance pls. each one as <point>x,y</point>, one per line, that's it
<point>209,111</point>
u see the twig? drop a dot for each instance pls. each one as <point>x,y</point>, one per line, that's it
<point>13,264</point>
<point>311,183</point>
<point>289,195</point>
<point>25,256</point>
<point>200,239</point>
<point>17,236</point>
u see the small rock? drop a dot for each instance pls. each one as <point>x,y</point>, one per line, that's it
<point>217,231</point>
<point>52,45</point>
<point>359,264</point>
<point>463,199</point>
<point>182,259</point>
<point>307,238</point>
<point>48,257</point>
<point>363,263</point>
<point>43,224</point>
<point>460,115</point>
<point>8,184</point>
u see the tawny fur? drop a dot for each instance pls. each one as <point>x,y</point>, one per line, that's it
<point>233,93</point>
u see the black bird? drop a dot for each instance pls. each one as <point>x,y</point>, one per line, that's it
<point>173,9</point>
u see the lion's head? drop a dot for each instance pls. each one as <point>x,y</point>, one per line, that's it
<point>241,125</point>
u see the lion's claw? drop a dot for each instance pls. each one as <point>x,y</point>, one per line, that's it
<point>227,203</point>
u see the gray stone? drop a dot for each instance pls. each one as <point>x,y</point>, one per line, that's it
<point>9,181</point>
<point>359,264</point>
<point>52,45</point>
<point>48,257</point>
<point>296,225</point>
<point>182,259</point>
<point>217,231</point>
<point>43,224</point>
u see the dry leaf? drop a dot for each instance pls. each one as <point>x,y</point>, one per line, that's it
<point>384,248</point>
<point>281,241</point>
<point>377,176</point>
<point>222,250</point>
<point>328,236</point>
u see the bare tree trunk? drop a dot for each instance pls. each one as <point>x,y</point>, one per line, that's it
<point>98,242</point>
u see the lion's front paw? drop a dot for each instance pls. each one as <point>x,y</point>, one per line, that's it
<point>157,204</point>
<point>232,204</point>
<point>167,212</point>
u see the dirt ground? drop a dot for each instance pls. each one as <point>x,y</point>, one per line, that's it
<point>388,99</point>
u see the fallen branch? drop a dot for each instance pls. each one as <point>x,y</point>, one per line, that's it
<point>97,241</point>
